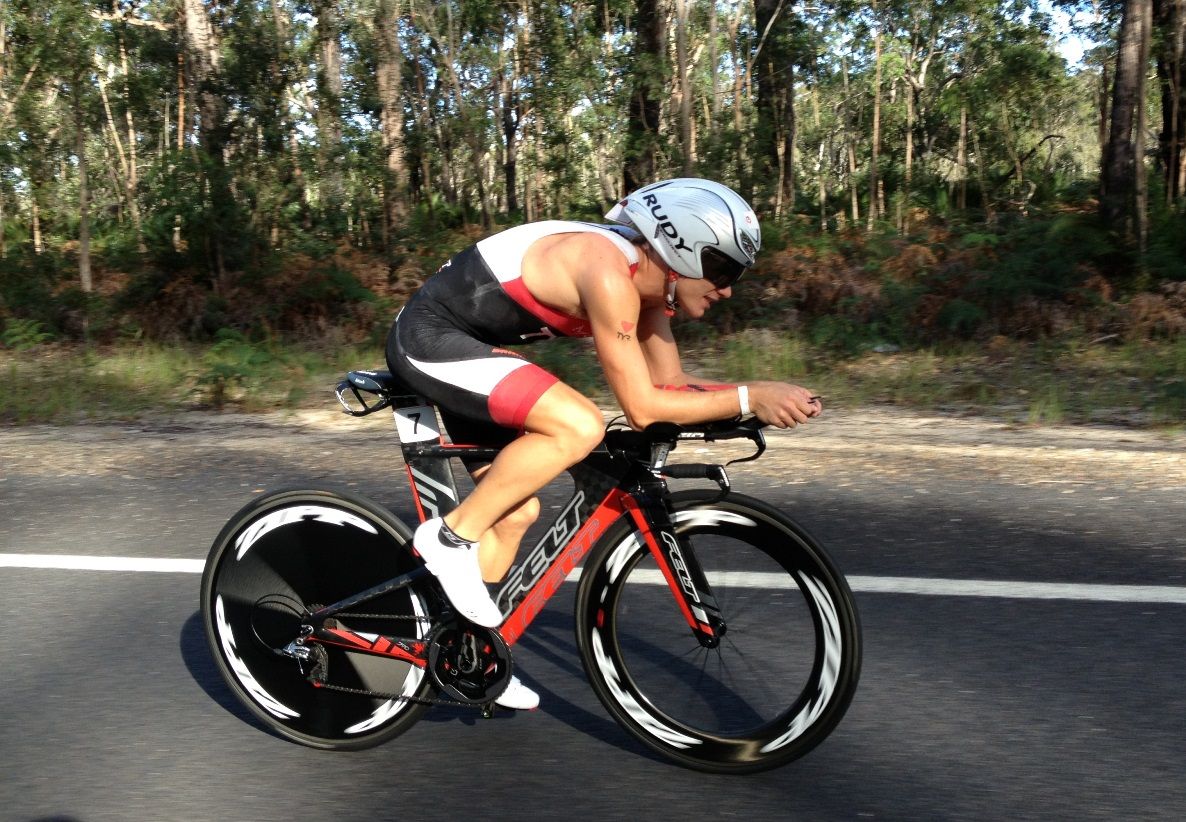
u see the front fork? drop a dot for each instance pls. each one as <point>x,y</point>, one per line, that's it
<point>679,565</point>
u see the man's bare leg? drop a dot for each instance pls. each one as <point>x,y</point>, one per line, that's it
<point>560,430</point>
<point>499,545</point>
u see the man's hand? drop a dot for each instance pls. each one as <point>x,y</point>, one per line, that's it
<point>783,405</point>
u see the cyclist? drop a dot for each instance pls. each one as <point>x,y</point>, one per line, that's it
<point>677,244</point>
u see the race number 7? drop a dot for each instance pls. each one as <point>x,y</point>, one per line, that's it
<point>416,424</point>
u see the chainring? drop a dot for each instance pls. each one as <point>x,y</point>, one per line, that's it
<point>469,663</point>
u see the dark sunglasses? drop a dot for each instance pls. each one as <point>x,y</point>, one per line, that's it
<point>720,269</point>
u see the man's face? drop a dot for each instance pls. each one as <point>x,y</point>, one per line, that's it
<point>695,297</point>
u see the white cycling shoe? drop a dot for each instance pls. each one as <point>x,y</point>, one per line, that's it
<point>456,568</point>
<point>518,697</point>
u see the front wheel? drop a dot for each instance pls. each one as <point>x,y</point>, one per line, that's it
<point>785,669</point>
<point>285,555</point>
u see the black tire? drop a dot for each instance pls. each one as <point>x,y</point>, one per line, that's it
<point>291,550</point>
<point>785,670</point>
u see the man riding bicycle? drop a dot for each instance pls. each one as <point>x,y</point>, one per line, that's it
<point>680,243</point>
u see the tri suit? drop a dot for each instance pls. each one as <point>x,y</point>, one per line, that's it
<point>448,342</point>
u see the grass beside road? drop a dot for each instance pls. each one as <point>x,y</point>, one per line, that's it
<point>1067,381</point>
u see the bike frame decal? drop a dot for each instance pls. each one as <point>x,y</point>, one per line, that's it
<point>671,563</point>
<point>564,527</point>
<point>426,497</point>
<point>376,644</point>
<point>247,679</point>
<point>432,471</point>
<point>567,552</point>
<point>296,513</point>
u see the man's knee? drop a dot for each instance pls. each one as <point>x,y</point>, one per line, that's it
<point>571,420</point>
<point>584,428</point>
<point>521,517</point>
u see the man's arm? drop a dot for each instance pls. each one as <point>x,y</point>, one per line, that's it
<point>614,310</point>
<point>662,353</point>
<point>776,403</point>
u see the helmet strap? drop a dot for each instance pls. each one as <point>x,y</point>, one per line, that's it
<point>672,279</point>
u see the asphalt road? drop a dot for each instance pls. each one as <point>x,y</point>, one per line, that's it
<point>1061,701</point>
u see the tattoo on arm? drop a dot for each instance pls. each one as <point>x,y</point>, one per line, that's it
<point>624,334</point>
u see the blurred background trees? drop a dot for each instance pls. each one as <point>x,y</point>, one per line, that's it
<point>172,167</point>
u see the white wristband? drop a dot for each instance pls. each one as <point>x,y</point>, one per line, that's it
<point>743,398</point>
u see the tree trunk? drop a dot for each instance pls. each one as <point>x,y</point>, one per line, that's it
<point>35,219</point>
<point>875,139</point>
<point>714,73</point>
<point>744,177</point>
<point>204,65</point>
<point>1118,185</point>
<point>512,110</point>
<point>775,69</point>
<point>685,85</point>
<point>1140,178</point>
<point>84,205</point>
<point>391,112</point>
<point>650,78</point>
<point>510,135</point>
<point>904,223</point>
<point>288,172</point>
<point>961,201</point>
<point>990,216</point>
<point>422,186</point>
<point>127,162</point>
<point>329,107</point>
<point>182,91</point>
<point>1171,72</point>
<point>133,181</point>
<point>850,147</point>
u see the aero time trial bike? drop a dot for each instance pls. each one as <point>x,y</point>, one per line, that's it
<point>712,627</point>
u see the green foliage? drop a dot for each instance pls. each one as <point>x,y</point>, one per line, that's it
<point>1169,404</point>
<point>1047,407</point>
<point>760,354</point>
<point>22,335</point>
<point>1165,258</point>
<point>27,284</point>
<point>229,365</point>
<point>239,232</point>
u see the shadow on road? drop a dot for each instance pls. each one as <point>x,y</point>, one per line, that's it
<point>550,638</point>
<point>201,667</point>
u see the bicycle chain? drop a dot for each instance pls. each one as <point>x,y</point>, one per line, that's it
<point>422,700</point>
<point>420,619</point>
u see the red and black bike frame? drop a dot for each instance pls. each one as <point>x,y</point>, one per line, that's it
<point>622,478</point>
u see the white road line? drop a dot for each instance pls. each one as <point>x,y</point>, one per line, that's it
<point>1019,590</point>
<point>1008,589</point>
<point>75,562</point>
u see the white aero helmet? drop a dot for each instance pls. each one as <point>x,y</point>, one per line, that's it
<point>700,228</point>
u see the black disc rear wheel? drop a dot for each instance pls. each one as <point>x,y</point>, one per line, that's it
<point>284,555</point>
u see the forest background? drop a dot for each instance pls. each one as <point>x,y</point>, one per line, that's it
<point>225,201</point>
